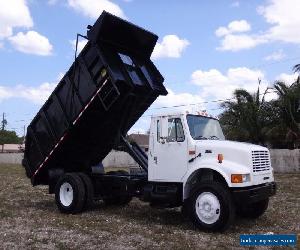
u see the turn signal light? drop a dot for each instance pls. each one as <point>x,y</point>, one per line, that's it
<point>236,178</point>
<point>220,158</point>
<point>192,152</point>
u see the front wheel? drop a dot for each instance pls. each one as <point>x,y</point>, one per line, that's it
<point>211,207</point>
<point>254,210</point>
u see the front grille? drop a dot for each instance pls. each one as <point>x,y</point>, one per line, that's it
<point>261,160</point>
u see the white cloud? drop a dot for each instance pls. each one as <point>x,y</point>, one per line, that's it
<point>285,18</point>
<point>275,56</point>
<point>52,2</point>
<point>31,43</point>
<point>80,46</point>
<point>93,8</point>
<point>239,42</point>
<point>216,85</point>
<point>235,4</point>
<point>171,46</point>
<point>137,130</point>
<point>235,42</point>
<point>13,13</point>
<point>5,93</point>
<point>168,102</point>
<point>233,27</point>
<point>287,78</point>
<point>37,95</point>
<point>174,99</point>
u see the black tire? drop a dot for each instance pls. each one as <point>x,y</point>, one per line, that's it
<point>254,210</point>
<point>76,202</point>
<point>89,191</point>
<point>224,213</point>
<point>185,209</point>
<point>118,200</point>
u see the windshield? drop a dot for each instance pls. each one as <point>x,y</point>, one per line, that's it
<point>202,128</point>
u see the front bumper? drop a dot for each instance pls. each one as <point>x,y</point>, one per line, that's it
<point>252,194</point>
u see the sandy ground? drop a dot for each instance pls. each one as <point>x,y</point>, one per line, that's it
<point>29,219</point>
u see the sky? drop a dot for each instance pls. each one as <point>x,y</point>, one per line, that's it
<point>206,49</point>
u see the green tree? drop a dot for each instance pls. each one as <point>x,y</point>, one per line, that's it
<point>296,68</point>
<point>247,117</point>
<point>3,123</point>
<point>9,137</point>
<point>288,127</point>
<point>277,122</point>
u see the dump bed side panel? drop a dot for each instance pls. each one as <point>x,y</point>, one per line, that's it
<point>102,95</point>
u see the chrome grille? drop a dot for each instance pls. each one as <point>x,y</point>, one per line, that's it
<point>261,160</point>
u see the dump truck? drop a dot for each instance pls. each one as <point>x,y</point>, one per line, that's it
<point>111,83</point>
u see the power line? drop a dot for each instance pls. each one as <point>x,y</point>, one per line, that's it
<point>277,62</point>
<point>204,102</point>
<point>191,104</point>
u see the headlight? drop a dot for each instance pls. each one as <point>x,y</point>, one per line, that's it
<point>240,178</point>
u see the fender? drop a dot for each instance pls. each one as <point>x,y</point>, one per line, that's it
<point>225,169</point>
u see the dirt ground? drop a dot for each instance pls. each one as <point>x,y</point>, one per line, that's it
<point>29,219</point>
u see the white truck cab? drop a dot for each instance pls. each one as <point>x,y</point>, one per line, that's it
<point>190,148</point>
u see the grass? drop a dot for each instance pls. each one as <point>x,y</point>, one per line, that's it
<point>29,219</point>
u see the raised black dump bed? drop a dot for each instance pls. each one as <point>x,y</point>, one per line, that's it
<point>109,86</point>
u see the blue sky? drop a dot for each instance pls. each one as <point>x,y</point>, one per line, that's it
<point>206,49</point>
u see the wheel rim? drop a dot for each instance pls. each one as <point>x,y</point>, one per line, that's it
<point>66,194</point>
<point>208,207</point>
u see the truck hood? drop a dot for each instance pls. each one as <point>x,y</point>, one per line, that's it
<point>234,153</point>
<point>229,145</point>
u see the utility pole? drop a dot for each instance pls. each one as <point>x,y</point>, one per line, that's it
<point>24,133</point>
<point>4,122</point>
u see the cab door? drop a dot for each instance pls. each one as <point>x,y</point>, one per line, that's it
<point>169,150</point>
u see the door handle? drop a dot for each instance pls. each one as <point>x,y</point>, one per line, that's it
<point>155,159</point>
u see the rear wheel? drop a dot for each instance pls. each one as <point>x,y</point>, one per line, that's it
<point>254,210</point>
<point>89,190</point>
<point>70,194</point>
<point>211,207</point>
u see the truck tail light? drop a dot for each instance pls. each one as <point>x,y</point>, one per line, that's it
<point>220,158</point>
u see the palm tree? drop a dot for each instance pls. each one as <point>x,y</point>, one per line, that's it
<point>296,69</point>
<point>289,102</point>
<point>246,117</point>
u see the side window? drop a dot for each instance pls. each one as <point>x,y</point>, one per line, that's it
<point>171,130</point>
<point>179,130</point>
<point>175,130</point>
<point>158,130</point>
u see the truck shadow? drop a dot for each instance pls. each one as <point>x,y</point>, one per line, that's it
<point>142,213</point>
<point>145,214</point>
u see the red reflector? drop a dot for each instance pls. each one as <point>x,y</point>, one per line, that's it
<point>192,152</point>
<point>220,158</point>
